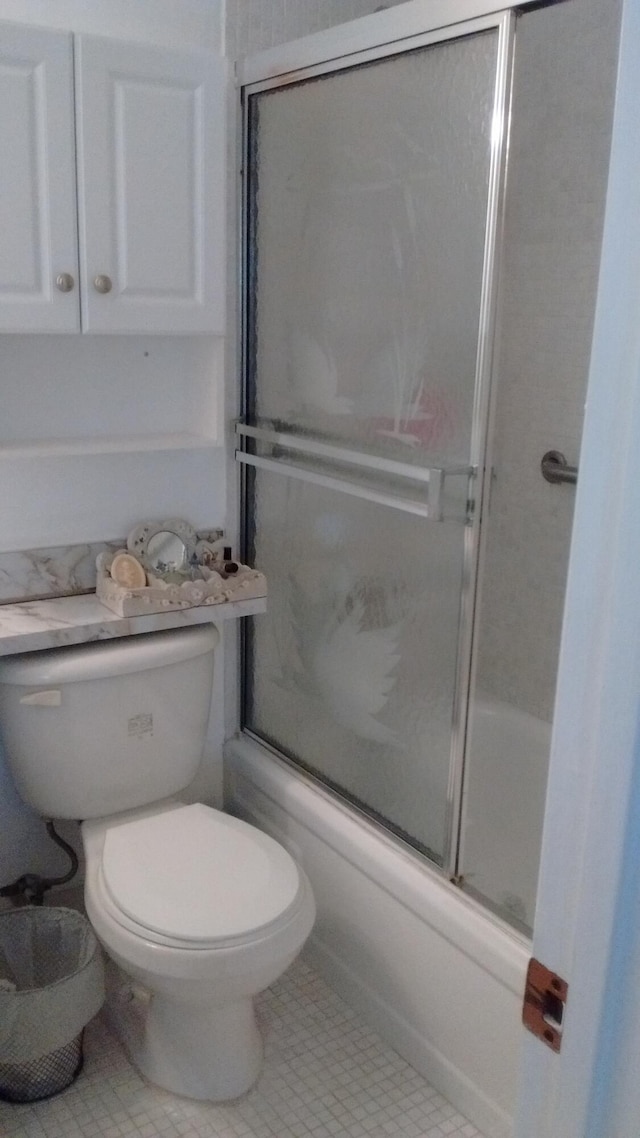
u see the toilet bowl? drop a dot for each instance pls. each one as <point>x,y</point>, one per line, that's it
<point>200,910</point>
<point>203,911</point>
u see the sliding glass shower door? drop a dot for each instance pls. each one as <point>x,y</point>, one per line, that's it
<point>373,191</point>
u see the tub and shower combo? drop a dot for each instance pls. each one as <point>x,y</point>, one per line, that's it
<point>418,204</point>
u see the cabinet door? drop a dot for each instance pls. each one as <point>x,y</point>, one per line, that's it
<point>151,139</point>
<point>38,230</point>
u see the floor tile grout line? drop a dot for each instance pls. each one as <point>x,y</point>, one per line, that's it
<point>327,1074</point>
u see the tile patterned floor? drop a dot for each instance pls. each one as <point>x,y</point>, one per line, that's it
<point>326,1075</point>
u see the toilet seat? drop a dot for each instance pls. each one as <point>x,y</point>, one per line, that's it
<point>193,877</point>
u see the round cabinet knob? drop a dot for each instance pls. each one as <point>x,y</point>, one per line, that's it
<point>102,283</point>
<point>64,282</point>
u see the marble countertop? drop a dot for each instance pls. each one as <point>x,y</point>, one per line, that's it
<point>53,623</point>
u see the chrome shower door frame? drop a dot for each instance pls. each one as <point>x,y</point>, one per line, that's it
<point>370,39</point>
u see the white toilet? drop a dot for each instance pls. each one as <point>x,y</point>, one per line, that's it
<point>202,910</point>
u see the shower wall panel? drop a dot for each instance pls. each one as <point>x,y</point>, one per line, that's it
<point>565,66</point>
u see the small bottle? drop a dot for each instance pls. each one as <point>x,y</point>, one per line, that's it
<point>229,567</point>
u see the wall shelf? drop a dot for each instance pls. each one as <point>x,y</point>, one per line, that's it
<point>98,432</point>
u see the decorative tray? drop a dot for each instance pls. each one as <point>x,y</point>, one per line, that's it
<point>159,596</point>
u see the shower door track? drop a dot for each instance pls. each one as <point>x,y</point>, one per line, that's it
<point>294,63</point>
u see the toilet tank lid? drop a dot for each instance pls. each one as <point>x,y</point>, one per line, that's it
<point>198,875</point>
<point>108,657</point>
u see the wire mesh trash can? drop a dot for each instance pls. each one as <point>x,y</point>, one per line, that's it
<point>51,985</point>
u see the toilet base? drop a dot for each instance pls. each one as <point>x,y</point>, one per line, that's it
<point>208,1053</point>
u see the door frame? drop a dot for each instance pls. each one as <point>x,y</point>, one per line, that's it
<point>587,924</point>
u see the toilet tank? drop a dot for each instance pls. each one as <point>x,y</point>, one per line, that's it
<point>107,726</point>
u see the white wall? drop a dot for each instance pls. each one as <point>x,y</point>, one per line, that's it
<point>25,846</point>
<point>172,23</point>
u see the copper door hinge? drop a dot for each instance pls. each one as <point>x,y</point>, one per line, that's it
<point>545,996</point>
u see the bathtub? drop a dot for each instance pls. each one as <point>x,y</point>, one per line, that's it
<point>439,977</point>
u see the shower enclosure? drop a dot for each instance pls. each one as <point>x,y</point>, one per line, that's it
<point>374,217</point>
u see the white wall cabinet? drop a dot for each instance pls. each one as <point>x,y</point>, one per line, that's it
<point>150,131</point>
<point>38,226</point>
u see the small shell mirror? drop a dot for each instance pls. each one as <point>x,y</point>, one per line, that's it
<point>167,550</point>
<point>163,547</point>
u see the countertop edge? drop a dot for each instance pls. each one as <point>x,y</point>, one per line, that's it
<point>30,626</point>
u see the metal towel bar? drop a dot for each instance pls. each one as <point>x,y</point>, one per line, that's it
<point>431,478</point>
<point>430,509</point>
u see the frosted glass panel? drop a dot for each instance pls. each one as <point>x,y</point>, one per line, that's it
<point>368,204</point>
<point>353,668</point>
<point>367,212</point>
